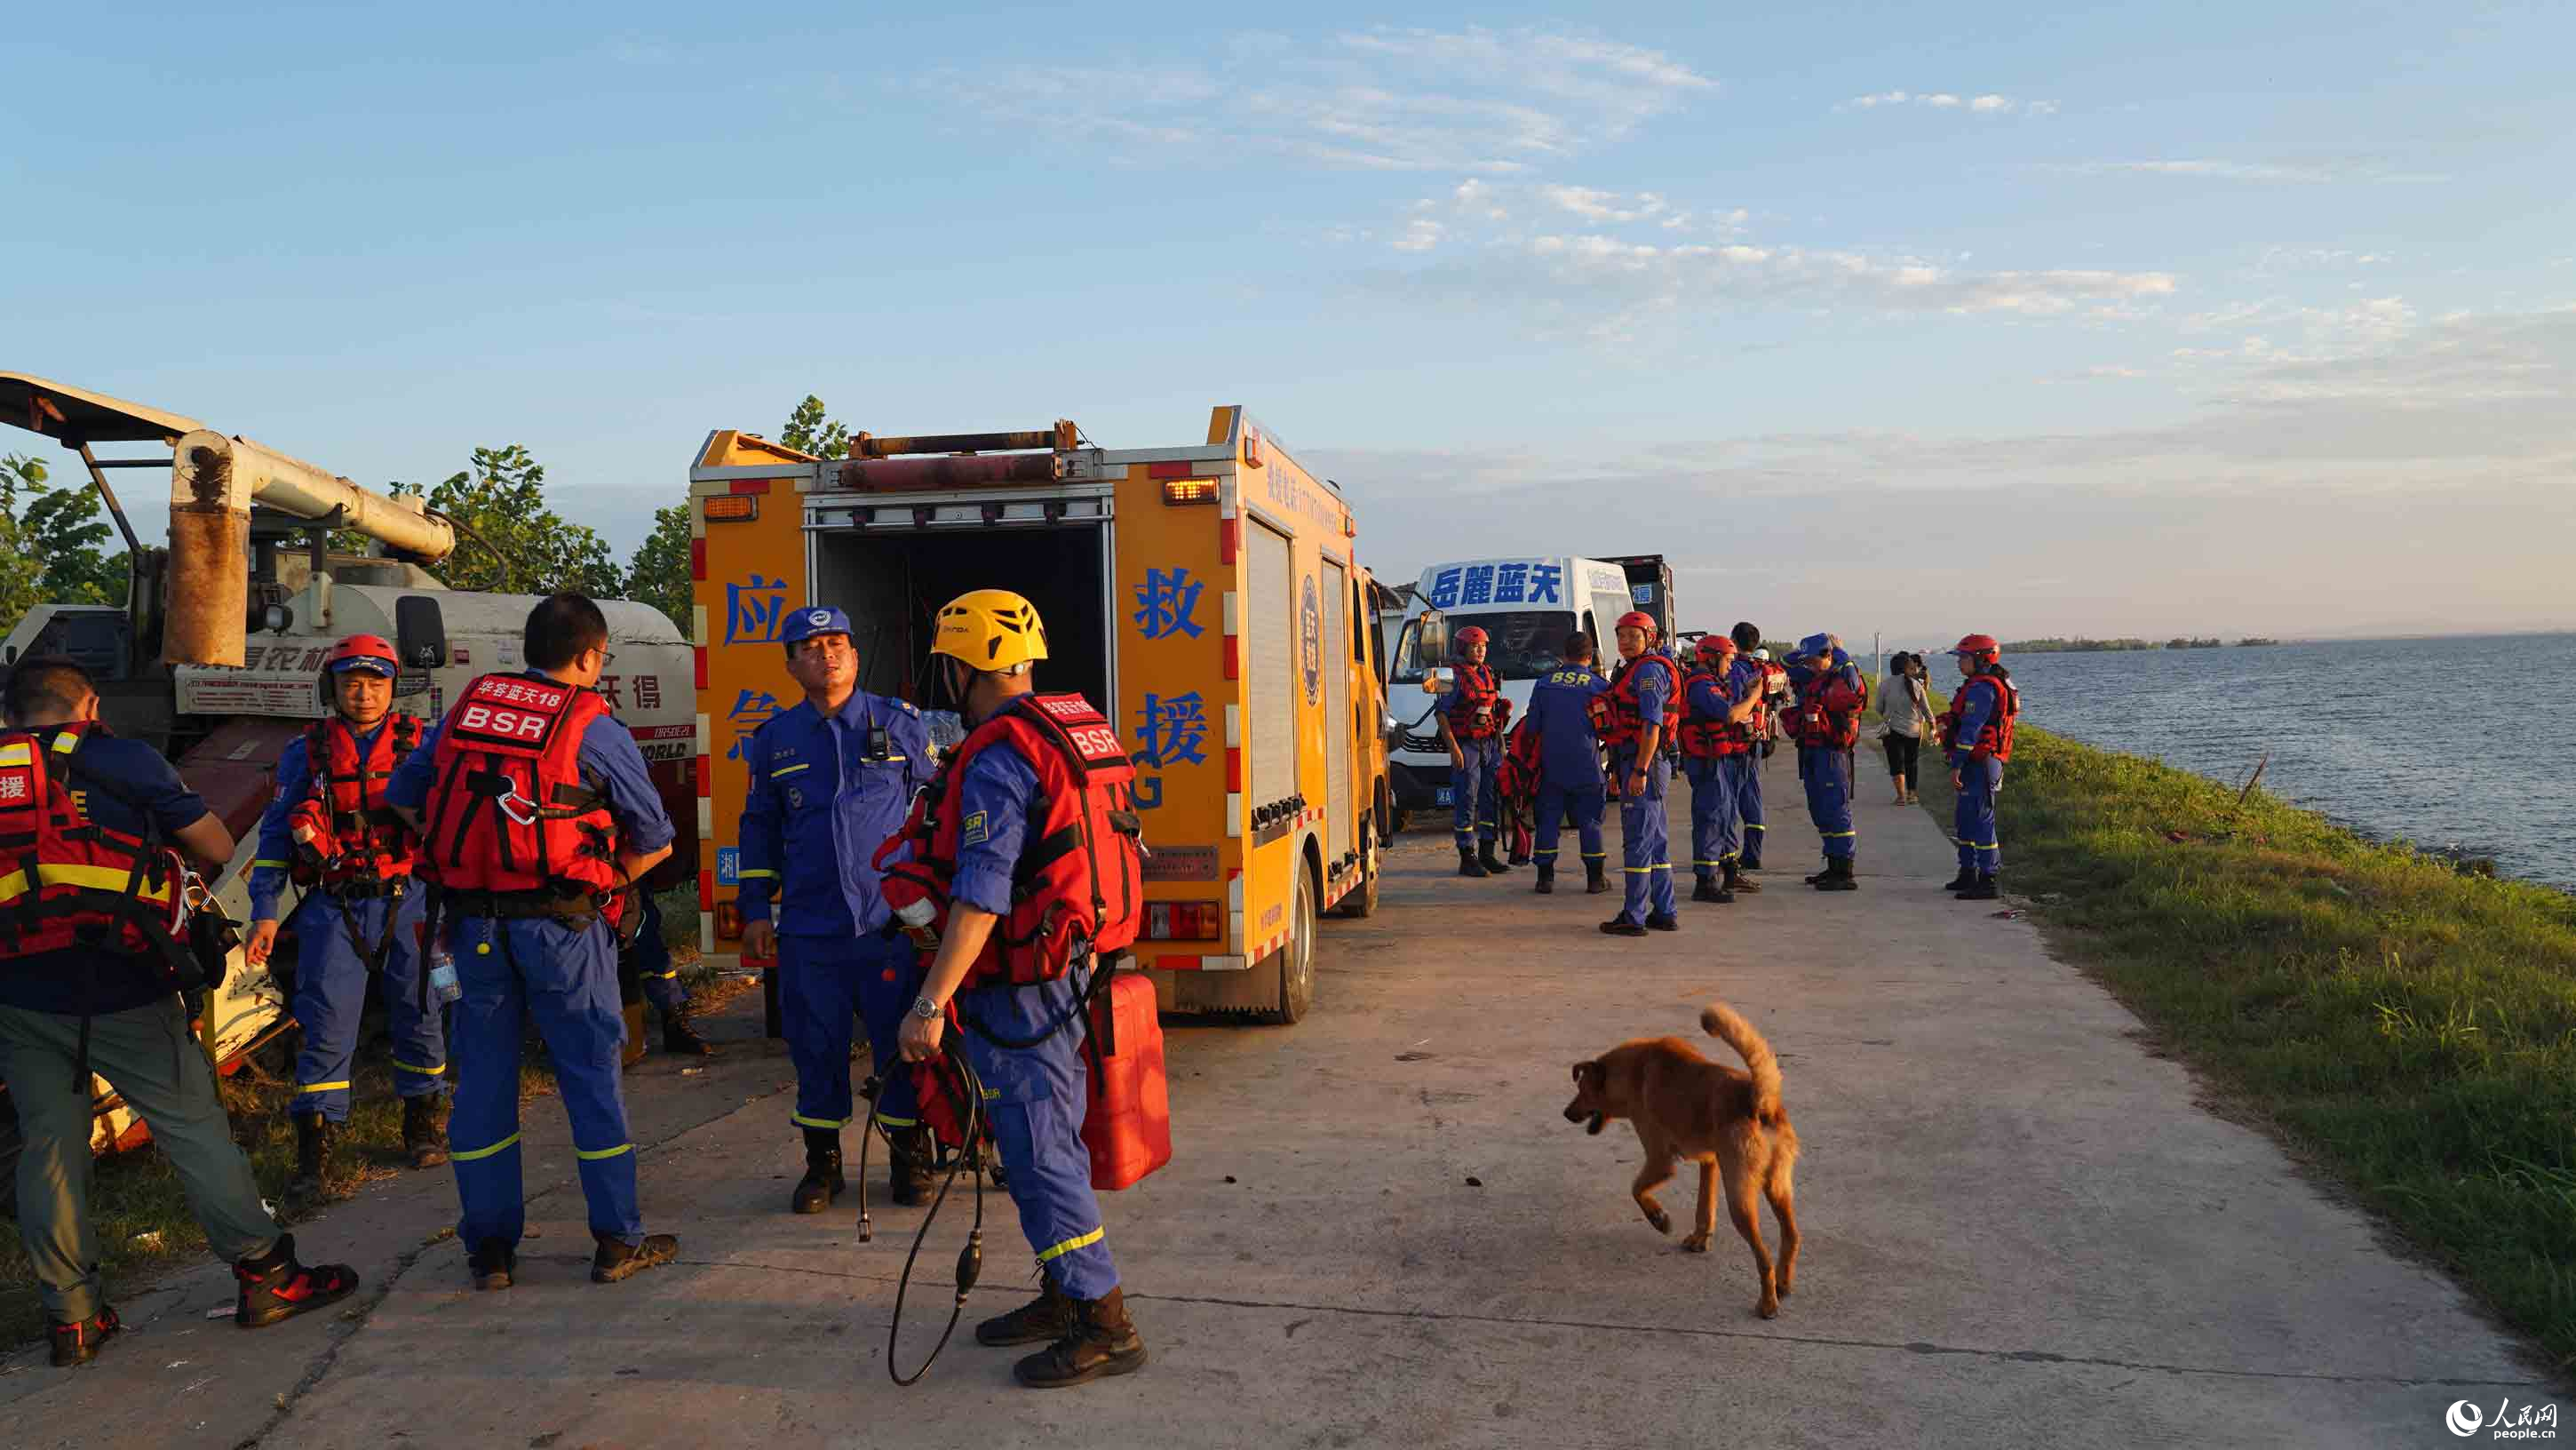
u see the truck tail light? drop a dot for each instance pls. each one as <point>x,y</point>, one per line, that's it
<point>733,508</point>
<point>1189,490</point>
<point>1183,921</point>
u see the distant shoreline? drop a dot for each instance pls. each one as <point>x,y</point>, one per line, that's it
<point>2082,645</point>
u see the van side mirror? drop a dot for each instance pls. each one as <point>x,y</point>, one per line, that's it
<point>1439,681</point>
<point>420,633</point>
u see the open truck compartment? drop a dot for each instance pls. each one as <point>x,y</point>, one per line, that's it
<point>891,580</point>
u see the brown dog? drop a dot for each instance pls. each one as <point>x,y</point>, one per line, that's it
<point>1685,1106</point>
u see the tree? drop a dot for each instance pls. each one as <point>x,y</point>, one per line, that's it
<point>808,431</point>
<point>52,544</point>
<point>501,499</point>
<point>659,575</point>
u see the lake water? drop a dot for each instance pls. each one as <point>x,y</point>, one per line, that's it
<point>2455,744</point>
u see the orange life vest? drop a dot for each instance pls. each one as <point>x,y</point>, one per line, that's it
<point>1827,714</point>
<point>509,813</point>
<point>65,882</point>
<point>1706,737</point>
<point>347,832</point>
<point>1079,882</point>
<point>1995,737</point>
<point>1477,709</point>
<point>1617,717</point>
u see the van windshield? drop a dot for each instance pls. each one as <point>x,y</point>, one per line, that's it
<point>1521,644</point>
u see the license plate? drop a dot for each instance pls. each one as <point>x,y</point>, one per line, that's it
<point>1440,795</point>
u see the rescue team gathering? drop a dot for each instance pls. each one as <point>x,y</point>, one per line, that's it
<point>970,907</point>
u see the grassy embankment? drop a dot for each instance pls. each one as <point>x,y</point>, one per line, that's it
<point>137,1195</point>
<point>2408,1028</point>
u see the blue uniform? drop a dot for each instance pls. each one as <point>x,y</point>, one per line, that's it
<point>334,938</point>
<point>1826,770</point>
<point>1569,773</point>
<point>1981,779</point>
<point>1748,674</point>
<point>652,961</point>
<point>566,979</point>
<point>1645,854</point>
<point>1476,786</point>
<point>1717,782</point>
<point>116,784</point>
<point>1034,1096</point>
<point>824,796</point>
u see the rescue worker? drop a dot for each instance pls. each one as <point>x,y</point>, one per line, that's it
<point>646,957</point>
<point>1977,731</point>
<point>831,778</point>
<point>1825,722</point>
<point>1632,721</point>
<point>536,811</point>
<point>1020,1002</point>
<point>1569,778</point>
<point>1472,720</point>
<point>1754,660</point>
<point>91,969</point>
<point>358,918</point>
<point>1717,746</point>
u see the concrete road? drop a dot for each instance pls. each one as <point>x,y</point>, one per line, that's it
<point>2021,1229</point>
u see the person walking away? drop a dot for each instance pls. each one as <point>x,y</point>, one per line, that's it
<point>536,812</point>
<point>1472,720</point>
<point>1977,732</point>
<point>1825,722</point>
<point>1752,660</point>
<point>1903,712</point>
<point>1631,717</point>
<point>1716,753</point>
<point>831,778</point>
<point>359,916</point>
<point>1569,778</point>
<point>1029,844</point>
<point>90,974</point>
<point>647,958</point>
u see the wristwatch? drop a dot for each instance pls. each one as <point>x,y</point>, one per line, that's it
<point>925,1009</point>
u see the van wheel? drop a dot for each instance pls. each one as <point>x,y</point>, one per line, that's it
<point>1361,903</point>
<point>1297,959</point>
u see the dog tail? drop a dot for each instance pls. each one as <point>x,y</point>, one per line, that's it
<point>1723,1022</point>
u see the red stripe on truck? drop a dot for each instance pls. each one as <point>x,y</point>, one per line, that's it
<point>700,666</point>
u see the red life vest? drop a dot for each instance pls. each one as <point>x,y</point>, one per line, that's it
<point>1706,737</point>
<point>1477,708</point>
<point>1080,876</point>
<point>509,812</point>
<point>65,882</point>
<point>1758,725</point>
<point>348,832</point>
<point>1827,714</point>
<point>1518,777</point>
<point>1617,717</point>
<point>1995,737</point>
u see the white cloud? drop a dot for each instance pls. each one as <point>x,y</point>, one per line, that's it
<point>2304,173</point>
<point>1988,104</point>
<point>1420,235</point>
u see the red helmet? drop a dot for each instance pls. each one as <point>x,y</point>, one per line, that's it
<point>1465,637</point>
<point>1713,648</point>
<point>1982,646</point>
<point>1637,619</point>
<point>364,652</point>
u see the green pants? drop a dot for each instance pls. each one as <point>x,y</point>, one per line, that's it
<point>148,1056</point>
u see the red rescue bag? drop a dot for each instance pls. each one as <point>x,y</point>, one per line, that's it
<point>1127,1123</point>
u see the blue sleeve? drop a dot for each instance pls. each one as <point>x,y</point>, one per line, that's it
<point>758,833</point>
<point>409,788</point>
<point>1975,706</point>
<point>1708,698</point>
<point>993,809</point>
<point>1652,688</point>
<point>617,770</point>
<point>912,737</point>
<point>276,849</point>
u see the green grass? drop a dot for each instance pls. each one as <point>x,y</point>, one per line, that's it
<point>2409,1028</point>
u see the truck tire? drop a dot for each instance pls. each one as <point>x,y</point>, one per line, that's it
<point>1361,903</point>
<point>1296,960</point>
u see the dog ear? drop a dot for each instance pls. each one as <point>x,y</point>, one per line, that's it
<point>1582,1067</point>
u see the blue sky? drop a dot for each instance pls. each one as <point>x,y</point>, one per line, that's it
<point>2121,319</point>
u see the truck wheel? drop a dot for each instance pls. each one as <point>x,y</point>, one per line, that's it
<point>1361,903</point>
<point>1297,959</point>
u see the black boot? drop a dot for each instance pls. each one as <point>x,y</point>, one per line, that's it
<point>1467,864</point>
<point>493,1263</point>
<point>1838,876</point>
<point>679,1039</point>
<point>1622,926</point>
<point>1519,858</point>
<point>1546,879</point>
<point>914,1153</point>
<point>822,1181</point>
<point>1736,880</point>
<point>1596,878</point>
<point>1103,1341</point>
<point>1752,857</point>
<point>618,1259</point>
<point>1708,889</point>
<point>1486,858</point>
<point>1050,1316</point>
<point>1982,889</point>
<point>306,1192</point>
<point>1663,921</point>
<point>425,1129</point>
<point>1961,882</point>
<point>78,1341</point>
<point>277,1287</point>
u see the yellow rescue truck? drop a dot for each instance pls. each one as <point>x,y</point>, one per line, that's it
<point>1207,596</point>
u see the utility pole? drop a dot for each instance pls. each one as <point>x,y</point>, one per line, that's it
<point>1877,658</point>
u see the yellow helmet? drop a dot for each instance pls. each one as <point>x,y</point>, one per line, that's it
<point>990,629</point>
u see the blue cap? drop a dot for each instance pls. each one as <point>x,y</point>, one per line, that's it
<point>1814,644</point>
<point>370,663</point>
<point>804,624</point>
